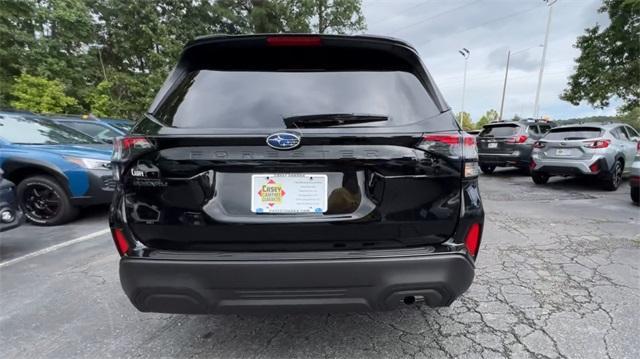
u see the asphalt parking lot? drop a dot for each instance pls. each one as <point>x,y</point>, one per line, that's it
<point>558,276</point>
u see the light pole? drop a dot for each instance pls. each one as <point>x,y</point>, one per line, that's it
<point>99,47</point>
<point>536,105</point>
<point>506,75</point>
<point>465,53</point>
<point>504,86</point>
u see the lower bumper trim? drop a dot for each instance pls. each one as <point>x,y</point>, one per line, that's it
<point>258,286</point>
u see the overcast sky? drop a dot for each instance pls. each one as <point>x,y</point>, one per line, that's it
<point>439,28</point>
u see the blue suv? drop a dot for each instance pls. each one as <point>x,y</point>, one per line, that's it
<point>56,170</point>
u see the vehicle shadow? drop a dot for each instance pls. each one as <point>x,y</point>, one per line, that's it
<point>583,184</point>
<point>507,172</point>
<point>396,333</point>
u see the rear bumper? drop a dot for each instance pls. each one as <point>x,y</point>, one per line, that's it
<point>571,167</point>
<point>522,159</point>
<point>345,284</point>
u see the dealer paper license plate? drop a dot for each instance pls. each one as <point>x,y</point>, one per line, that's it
<point>289,193</point>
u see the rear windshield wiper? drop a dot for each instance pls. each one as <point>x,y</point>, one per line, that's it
<point>330,120</point>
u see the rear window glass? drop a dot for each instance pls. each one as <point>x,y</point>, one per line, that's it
<point>261,99</point>
<point>568,134</point>
<point>92,129</point>
<point>544,128</point>
<point>499,131</point>
<point>21,130</point>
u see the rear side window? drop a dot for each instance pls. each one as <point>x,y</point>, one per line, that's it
<point>620,133</point>
<point>573,133</point>
<point>544,128</point>
<point>499,131</point>
<point>631,132</point>
<point>533,130</point>
<point>261,99</point>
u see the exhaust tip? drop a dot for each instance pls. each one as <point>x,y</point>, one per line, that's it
<point>409,300</point>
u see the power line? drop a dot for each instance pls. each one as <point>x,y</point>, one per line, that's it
<point>400,29</point>
<point>517,13</point>
<point>398,13</point>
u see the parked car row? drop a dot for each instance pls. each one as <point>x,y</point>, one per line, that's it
<point>606,152</point>
<point>503,144</point>
<point>56,169</point>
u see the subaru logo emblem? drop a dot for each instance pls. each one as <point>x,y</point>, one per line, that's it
<point>283,140</point>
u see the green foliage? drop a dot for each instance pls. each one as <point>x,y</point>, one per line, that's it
<point>609,63</point>
<point>38,94</point>
<point>137,42</point>
<point>489,116</point>
<point>466,122</point>
<point>272,16</point>
<point>631,117</point>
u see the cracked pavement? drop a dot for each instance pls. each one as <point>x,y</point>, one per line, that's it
<point>558,276</point>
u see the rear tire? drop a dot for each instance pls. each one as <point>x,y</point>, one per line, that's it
<point>539,178</point>
<point>635,195</point>
<point>44,201</point>
<point>487,169</point>
<point>611,180</point>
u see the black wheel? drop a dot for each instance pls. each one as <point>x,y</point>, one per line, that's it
<point>635,195</point>
<point>612,180</point>
<point>539,178</point>
<point>487,169</point>
<point>44,201</point>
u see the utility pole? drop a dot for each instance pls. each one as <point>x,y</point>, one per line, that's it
<point>465,53</point>
<point>506,76</point>
<point>104,72</point>
<point>504,86</point>
<point>536,105</point>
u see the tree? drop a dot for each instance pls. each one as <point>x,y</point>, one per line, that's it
<point>16,36</point>
<point>466,122</point>
<point>38,94</point>
<point>273,16</point>
<point>337,16</point>
<point>489,116</point>
<point>137,42</point>
<point>631,117</point>
<point>609,63</point>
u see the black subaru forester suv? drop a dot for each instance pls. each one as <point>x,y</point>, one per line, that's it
<point>296,172</point>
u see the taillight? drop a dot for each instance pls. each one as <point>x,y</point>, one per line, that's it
<point>539,144</point>
<point>455,146</point>
<point>638,148</point>
<point>122,245</point>
<point>517,139</point>
<point>472,240</point>
<point>595,167</point>
<point>125,148</point>
<point>597,144</point>
<point>294,41</point>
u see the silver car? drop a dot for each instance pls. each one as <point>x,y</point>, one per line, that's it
<point>604,151</point>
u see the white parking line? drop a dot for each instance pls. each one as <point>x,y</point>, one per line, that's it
<point>54,247</point>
